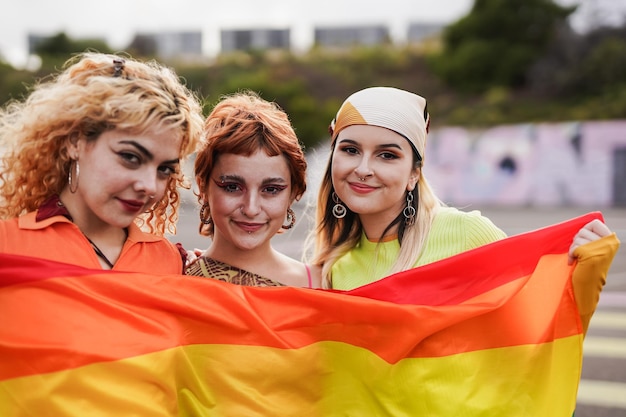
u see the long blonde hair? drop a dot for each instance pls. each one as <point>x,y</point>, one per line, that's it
<point>94,93</point>
<point>406,114</point>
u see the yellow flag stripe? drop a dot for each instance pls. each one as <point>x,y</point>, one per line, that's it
<point>322,379</point>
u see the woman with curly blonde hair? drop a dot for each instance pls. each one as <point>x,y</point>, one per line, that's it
<point>93,156</point>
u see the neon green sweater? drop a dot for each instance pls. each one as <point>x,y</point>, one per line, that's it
<point>452,232</point>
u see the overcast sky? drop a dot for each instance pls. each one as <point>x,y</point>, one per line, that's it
<point>117,21</point>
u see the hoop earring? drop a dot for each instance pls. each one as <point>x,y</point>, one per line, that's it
<point>72,180</point>
<point>339,210</point>
<point>409,211</point>
<point>204,217</point>
<point>291,218</point>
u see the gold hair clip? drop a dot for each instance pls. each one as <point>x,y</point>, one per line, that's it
<point>118,66</point>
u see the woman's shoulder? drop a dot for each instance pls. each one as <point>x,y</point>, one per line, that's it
<point>136,234</point>
<point>448,212</point>
<point>159,248</point>
<point>9,233</point>
<point>455,215</point>
<point>315,275</point>
<point>472,227</point>
<point>295,273</point>
<point>9,224</point>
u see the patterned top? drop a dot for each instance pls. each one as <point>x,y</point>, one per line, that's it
<point>210,268</point>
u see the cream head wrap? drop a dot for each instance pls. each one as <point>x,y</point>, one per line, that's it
<point>401,111</point>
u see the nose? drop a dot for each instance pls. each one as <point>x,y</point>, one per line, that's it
<point>252,205</point>
<point>363,169</point>
<point>147,182</point>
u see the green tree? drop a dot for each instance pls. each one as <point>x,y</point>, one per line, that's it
<point>13,82</point>
<point>497,42</point>
<point>576,66</point>
<point>57,49</point>
<point>604,67</point>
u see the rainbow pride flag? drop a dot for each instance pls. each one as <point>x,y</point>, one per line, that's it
<point>490,332</point>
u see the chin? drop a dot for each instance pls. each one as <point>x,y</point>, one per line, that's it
<point>244,247</point>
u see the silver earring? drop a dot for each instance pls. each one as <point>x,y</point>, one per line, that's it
<point>291,218</point>
<point>409,211</point>
<point>339,210</point>
<point>72,179</point>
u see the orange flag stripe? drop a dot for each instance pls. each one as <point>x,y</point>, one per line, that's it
<point>77,318</point>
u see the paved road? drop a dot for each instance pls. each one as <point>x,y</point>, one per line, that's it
<point>602,391</point>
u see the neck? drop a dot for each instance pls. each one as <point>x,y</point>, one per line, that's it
<point>91,226</point>
<point>252,260</point>
<point>375,227</point>
<point>106,240</point>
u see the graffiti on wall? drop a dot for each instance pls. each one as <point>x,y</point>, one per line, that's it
<point>540,164</point>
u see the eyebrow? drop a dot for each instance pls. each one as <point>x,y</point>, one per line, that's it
<point>239,178</point>
<point>146,152</point>
<point>274,180</point>
<point>381,146</point>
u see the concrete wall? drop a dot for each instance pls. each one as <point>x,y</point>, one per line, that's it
<point>544,164</point>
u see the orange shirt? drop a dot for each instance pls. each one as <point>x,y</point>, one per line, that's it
<point>58,239</point>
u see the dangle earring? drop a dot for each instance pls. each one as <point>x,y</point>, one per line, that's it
<point>339,210</point>
<point>72,179</point>
<point>291,218</point>
<point>409,211</point>
<point>205,215</point>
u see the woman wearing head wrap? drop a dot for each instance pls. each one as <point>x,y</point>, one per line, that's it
<point>377,215</point>
<point>92,155</point>
<point>376,210</point>
<point>250,171</point>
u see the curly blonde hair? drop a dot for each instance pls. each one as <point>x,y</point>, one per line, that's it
<point>94,93</point>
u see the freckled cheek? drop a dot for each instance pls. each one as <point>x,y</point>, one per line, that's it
<point>277,209</point>
<point>224,203</point>
<point>340,168</point>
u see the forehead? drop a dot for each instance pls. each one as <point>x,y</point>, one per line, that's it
<point>162,141</point>
<point>373,135</point>
<point>256,166</point>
